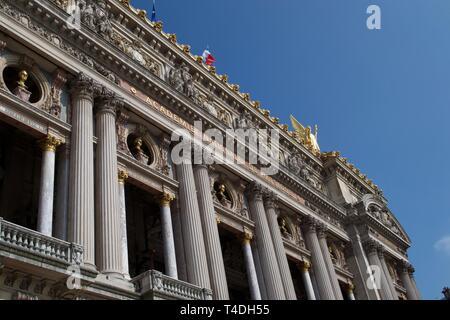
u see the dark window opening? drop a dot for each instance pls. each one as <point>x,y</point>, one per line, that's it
<point>20,170</point>
<point>145,243</point>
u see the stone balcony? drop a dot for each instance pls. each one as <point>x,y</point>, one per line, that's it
<point>153,285</point>
<point>20,243</point>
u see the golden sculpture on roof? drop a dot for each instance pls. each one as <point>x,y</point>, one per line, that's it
<point>306,137</point>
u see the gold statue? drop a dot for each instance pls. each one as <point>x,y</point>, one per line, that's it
<point>23,77</point>
<point>221,192</point>
<point>306,136</point>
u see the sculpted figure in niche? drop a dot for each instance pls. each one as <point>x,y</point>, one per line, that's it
<point>375,211</point>
<point>138,152</point>
<point>224,117</point>
<point>94,14</point>
<point>243,122</point>
<point>208,104</point>
<point>222,195</point>
<point>105,27</point>
<point>294,164</point>
<point>283,228</point>
<point>176,79</point>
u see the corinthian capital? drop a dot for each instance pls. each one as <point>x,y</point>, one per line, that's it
<point>83,85</point>
<point>310,224</point>
<point>380,251</point>
<point>406,266</point>
<point>270,199</point>
<point>371,246</point>
<point>108,101</point>
<point>322,230</point>
<point>50,143</point>
<point>254,191</point>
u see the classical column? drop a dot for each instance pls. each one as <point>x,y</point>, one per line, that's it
<point>179,242</point>
<point>191,224</point>
<point>407,283</point>
<point>62,193</point>
<point>122,177</point>
<point>170,260</point>
<point>322,235</point>
<point>259,273</point>
<point>413,281</point>
<point>371,248</point>
<point>304,268</point>
<point>214,256</point>
<point>285,272</point>
<point>359,266</point>
<point>81,185</point>
<point>267,257</point>
<point>350,293</point>
<point>255,293</point>
<point>108,231</point>
<point>387,273</point>
<point>47,187</point>
<point>318,263</point>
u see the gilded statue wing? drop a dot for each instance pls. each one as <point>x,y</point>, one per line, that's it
<point>301,130</point>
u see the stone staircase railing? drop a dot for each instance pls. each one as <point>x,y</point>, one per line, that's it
<point>33,243</point>
<point>162,286</point>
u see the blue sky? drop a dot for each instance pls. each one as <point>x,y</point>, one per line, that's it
<point>380,97</point>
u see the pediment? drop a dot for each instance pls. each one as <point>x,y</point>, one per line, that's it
<point>388,220</point>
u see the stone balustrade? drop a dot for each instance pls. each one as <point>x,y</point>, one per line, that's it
<point>155,285</point>
<point>18,239</point>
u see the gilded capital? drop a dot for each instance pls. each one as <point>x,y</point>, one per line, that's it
<point>247,236</point>
<point>351,287</point>
<point>50,143</point>
<point>122,176</point>
<point>306,265</point>
<point>166,199</point>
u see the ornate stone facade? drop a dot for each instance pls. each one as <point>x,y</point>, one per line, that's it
<point>105,95</point>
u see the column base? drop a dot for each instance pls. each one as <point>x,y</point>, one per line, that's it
<point>116,280</point>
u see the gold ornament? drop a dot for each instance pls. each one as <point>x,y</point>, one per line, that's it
<point>186,48</point>
<point>166,199</point>
<point>173,38</point>
<point>158,26</point>
<point>23,77</point>
<point>247,236</point>
<point>306,137</point>
<point>50,143</point>
<point>142,14</point>
<point>122,175</point>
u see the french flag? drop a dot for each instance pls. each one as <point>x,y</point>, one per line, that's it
<point>208,58</point>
